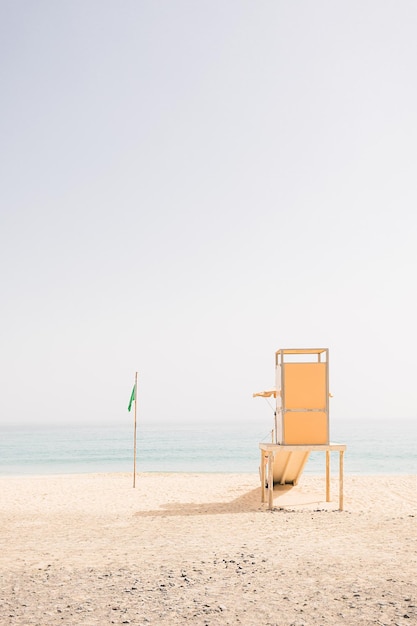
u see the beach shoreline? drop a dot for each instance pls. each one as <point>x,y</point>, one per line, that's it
<point>202,549</point>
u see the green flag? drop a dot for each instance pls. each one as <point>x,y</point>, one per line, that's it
<point>132,397</point>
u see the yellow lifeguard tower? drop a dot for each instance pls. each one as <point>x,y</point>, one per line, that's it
<point>301,419</point>
<point>302,396</point>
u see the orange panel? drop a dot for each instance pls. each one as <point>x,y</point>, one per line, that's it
<point>305,385</point>
<point>310,427</point>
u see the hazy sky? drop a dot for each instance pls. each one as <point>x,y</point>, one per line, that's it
<point>187,186</point>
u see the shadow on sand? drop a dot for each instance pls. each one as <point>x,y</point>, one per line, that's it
<point>247,503</point>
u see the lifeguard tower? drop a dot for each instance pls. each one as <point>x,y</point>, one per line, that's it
<point>301,423</point>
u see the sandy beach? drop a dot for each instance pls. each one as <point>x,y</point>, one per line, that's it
<point>202,549</point>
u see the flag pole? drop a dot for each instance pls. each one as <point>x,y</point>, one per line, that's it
<point>134,431</point>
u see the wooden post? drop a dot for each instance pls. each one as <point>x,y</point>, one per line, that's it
<point>341,454</point>
<point>270,480</point>
<point>327,475</point>
<point>262,468</point>
<point>134,432</point>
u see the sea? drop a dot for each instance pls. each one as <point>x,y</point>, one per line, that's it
<point>386,446</point>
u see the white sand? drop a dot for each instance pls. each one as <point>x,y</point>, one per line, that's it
<point>201,549</point>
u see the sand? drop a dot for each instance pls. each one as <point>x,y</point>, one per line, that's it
<point>202,549</point>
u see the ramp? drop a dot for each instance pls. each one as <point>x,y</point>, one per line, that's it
<point>288,466</point>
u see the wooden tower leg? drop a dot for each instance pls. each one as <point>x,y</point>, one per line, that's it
<point>271,480</point>
<point>327,475</point>
<point>341,454</point>
<point>263,459</point>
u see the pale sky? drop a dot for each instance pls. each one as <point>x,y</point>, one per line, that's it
<point>188,186</point>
